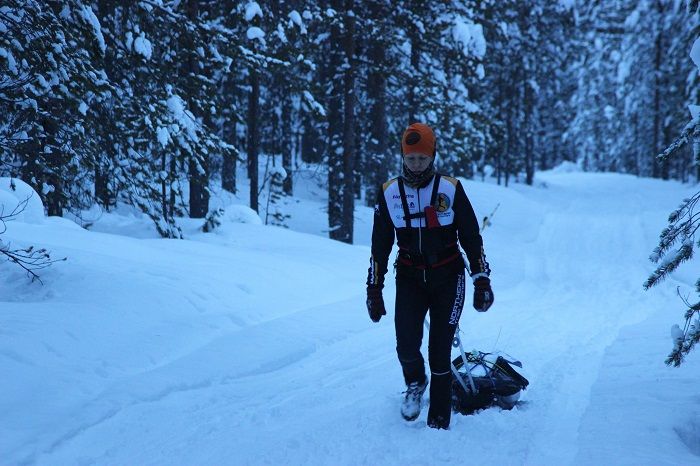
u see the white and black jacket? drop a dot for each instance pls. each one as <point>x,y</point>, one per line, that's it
<point>428,239</point>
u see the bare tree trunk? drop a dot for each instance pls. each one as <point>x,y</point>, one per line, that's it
<point>198,165</point>
<point>105,196</point>
<point>527,125</point>
<point>349,126</point>
<point>335,131</point>
<point>172,176</point>
<point>377,160</point>
<point>287,142</point>
<point>415,66</point>
<point>102,194</point>
<point>656,139</point>
<point>510,147</point>
<point>54,198</point>
<point>228,168</point>
<point>199,194</point>
<point>502,145</point>
<point>661,84</point>
<point>228,171</point>
<point>164,188</point>
<point>253,137</point>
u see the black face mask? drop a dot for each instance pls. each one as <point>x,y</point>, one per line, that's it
<point>418,179</point>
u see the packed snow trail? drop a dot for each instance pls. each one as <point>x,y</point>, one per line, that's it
<point>321,385</point>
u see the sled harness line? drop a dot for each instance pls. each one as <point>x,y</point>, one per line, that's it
<point>482,380</point>
<point>457,342</point>
<point>408,216</point>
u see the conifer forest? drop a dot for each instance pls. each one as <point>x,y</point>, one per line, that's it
<point>154,103</point>
<point>230,228</point>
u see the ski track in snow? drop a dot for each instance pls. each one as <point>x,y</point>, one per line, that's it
<point>322,385</point>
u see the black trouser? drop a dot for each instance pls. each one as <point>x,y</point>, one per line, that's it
<point>442,294</point>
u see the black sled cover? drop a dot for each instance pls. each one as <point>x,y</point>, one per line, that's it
<point>495,382</point>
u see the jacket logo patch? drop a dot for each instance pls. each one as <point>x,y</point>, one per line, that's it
<point>442,203</point>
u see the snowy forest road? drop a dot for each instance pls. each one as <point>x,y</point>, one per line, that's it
<point>582,288</point>
<point>321,384</point>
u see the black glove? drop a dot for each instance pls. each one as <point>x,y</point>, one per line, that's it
<point>483,295</point>
<point>375,303</point>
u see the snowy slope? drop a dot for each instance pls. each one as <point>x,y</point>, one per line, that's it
<point>252,345</point>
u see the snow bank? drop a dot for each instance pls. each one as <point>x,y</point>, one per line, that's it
<point>120,308</point>
<point>237,213</point>
<point>567,167</point>
<point>213,349</point>
<point>14,192</point>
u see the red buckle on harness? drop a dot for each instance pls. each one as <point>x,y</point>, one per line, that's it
<point>431,217</point>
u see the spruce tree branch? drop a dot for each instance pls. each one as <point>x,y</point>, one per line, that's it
<point>692,129</point>
<point>689,336</point>
<point>211,29</point>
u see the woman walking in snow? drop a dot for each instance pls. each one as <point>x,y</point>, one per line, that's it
<point>430,216</point>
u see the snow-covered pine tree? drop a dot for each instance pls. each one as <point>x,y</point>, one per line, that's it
<point>145,118</point>
<point>375,155</point>
<point>598,123</point>
<point>313,103</point>
<point>441,50</point>
<point>276,198</point>
<point>117,91</point>
<point>556,51</point>
<point>630,92</point>
<point>50,81</point>
<point>493,89</point>
<point>683,224</point>
<point>231,94</point>
<point>287,89</point>
<point>213,220</point>
<point>461,123</point>
<point>528,47</point>
<point>312,143</point>
<point>277,30</point>
<point>341,114</point>
<point>651,104</point>
<point>169,62</point>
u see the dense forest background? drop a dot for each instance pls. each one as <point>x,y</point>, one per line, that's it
<point>155,103</point>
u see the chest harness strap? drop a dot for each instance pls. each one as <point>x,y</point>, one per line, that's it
<point>419,261</point>
<point>407,215</point>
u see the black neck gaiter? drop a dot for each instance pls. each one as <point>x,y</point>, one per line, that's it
<point>416,180</point>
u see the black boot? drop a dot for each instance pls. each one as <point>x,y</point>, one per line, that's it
<point>438,422</point>
<point>440,401</point>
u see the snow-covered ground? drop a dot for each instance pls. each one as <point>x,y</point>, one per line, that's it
<point>252,345</point>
